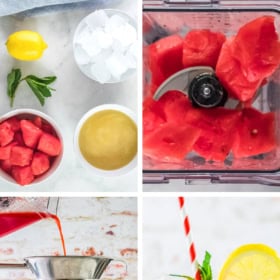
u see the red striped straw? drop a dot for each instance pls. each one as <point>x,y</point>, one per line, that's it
<point>187,227</point>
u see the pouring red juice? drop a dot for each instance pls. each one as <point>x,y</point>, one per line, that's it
<point>13,221</point>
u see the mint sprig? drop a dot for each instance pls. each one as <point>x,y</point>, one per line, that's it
<point>204,269</point>
<point>39,86</point>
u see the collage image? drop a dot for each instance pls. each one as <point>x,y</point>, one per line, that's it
<point>140,140</point>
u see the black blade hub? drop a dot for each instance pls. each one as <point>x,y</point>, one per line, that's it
<point>206,91</point>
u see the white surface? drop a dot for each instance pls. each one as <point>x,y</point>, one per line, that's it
<point>75,94</point>
<point>219,225</point>
<point>108,225</point>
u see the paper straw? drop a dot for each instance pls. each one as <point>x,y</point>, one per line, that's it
<point>187,228</point>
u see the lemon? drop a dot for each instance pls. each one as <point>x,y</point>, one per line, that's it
<point>251,262</point>
<point>26,45</point>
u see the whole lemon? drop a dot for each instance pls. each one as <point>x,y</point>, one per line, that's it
<point>26,45</point>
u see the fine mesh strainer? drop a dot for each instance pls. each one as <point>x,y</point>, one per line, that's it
<point>64,268</point>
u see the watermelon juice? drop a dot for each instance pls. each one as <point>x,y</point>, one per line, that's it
<point>13,221</point>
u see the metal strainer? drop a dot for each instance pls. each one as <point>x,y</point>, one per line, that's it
<point>64,268</point>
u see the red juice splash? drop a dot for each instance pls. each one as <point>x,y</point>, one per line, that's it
<point>13,221</point>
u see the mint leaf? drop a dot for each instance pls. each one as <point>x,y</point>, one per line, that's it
<point>40,87</point>
<point>13,80</point>
<point>205,269</point>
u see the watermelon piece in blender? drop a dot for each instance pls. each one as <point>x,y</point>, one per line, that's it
<point>202,48</point>
<point>255,134</point>
<point>165,58</point>
<point>170,142</point>
<point>250,57</point>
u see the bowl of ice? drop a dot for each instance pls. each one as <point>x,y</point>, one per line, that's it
<point>105,46</point>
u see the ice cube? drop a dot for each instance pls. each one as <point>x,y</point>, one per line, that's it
<point>88,42</point>
<point>103,39</point>
<point>133,49</point>
<point>126,34</point>
<point>130,61</point>
<point>100,72</point>
<point>81,55</point>
<point>97,19</point>
<point>114,22</point>
<point>117,46</point>
<point>102,56</point>
<point>115,64</point>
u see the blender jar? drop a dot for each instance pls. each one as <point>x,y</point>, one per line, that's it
<point>166,18</point>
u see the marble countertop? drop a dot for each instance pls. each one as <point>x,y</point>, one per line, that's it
<point>219,225</point>
<point>75,94</point>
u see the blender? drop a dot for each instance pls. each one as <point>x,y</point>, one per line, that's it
<point>205,91</point>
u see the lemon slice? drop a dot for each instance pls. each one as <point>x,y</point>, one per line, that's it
<point>26,45</point>
<point>252,262</point>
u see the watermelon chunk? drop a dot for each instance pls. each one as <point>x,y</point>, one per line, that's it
<point>250,57</point>
<point>23,175</point>
<point>255,134</point>
<point>6,133</point>
<point>49,145</point>
<point>6,165</point>
<point>19,139</point>
<point>14,122</point>
<point>170,142</point>
<point>165,58</point>
<point>5,152</point>
<point>30,133</point>
<point>217,128</point>
<point>202,48</point>
<point>21,156</point>
<point>176,107</point>
<point>38,121</point>
<point>40,163</point>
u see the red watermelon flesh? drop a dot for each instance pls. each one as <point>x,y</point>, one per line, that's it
<point>21,156</point>
<point>170,142</point>
<point>176,107</point>
<point>38,121</point>
<point>40,163</point>
<point>49,145</point>
<point>6,165</point>
<point>257,47</point>
<point>5,152</point>
<point>202,48</point>
<point>255,134</point>
<point>217,128</point>
<point>19,139</point>
<point>153,115</point>
<point>230,73</point>
<point>6,133</point>
<point>165,58</point>
<point>250,57</point>
<point>30,133</point>
<point>22,175</point>
<point>14,122</point>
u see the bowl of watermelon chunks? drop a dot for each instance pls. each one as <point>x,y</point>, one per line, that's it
<point>31,147</point>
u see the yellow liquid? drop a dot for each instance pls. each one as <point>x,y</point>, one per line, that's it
<point>108,140</point>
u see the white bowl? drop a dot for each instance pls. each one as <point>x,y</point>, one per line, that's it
<point>29,113</point>
<point>101,172</point>
<point>84,67</point>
